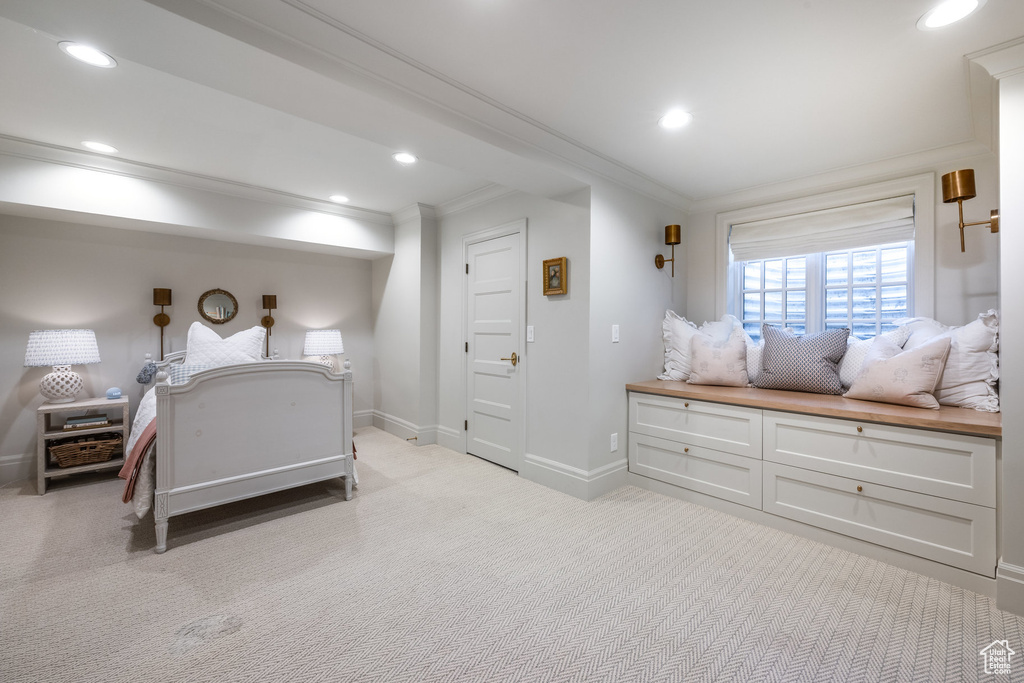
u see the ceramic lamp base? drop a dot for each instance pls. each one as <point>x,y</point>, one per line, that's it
<point>61,385</point>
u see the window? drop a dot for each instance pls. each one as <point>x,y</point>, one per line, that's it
<point>864,288</point>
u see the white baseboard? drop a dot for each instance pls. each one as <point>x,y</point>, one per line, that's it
<point>362,418</point>
<point>1010,587</point>
<point>16,467</point>
<point>453,439</point>
<point>421,436</point>
<point>578,483</point>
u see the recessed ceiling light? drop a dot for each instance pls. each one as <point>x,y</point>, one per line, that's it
<point>339,198</point>
<point>101,147</point>
<point>404,158</point>
<point>948,12</point>
<point>676,118</point>
<point>89,55</point>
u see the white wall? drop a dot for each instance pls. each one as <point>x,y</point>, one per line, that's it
<point>556,366</point>
<point>626,289</point>
<point>405,329</point>
<point>965,283</point>
<point>56,274</point>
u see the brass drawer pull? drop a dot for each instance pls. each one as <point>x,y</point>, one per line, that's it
<point>686,450</point>
<point>860,429</point>
<point>859,489</point>
<point>686,405</point>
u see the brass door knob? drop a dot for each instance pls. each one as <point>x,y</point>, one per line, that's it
<point>514,359</point>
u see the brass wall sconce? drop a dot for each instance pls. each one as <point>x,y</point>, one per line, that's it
<point>161,298</point>
<point>672,237</point>
<point>958,186</point>
<point>269,303</point>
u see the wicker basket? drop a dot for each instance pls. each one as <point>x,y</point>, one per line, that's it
<point>85,450</point>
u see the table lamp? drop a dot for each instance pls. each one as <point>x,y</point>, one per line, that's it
<point>323,343</point>
<point>61,349</point>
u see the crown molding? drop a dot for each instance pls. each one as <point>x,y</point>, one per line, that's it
<point>839,179</point>
<point>471,200</point>
<point>415,212</point>
<point>1003,60</point>
<point>74,158</point>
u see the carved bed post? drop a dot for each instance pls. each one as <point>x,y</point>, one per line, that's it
<point>163,435</point>
<point>346,429</point>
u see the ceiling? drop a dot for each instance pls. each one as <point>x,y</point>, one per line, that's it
<point>308,98</point>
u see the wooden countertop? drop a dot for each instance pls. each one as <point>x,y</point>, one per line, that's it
<point>946,418</point>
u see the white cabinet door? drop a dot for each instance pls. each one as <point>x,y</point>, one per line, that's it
<point>947,531</point>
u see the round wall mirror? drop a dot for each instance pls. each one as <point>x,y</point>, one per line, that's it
<point>218,306</point>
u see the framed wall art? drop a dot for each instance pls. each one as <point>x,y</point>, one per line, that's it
<point>556,276</point>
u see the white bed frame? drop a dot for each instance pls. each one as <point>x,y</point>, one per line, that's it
<point>240,431</point>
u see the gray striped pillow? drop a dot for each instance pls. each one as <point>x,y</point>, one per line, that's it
<point>807,363</point>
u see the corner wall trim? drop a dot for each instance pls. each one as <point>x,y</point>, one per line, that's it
<point>16,467</point>
<point>1010,587</point>
<point>403,428</point>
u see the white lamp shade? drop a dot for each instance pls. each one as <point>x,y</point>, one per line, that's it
<point>61,347</point>
<point>323,343</point>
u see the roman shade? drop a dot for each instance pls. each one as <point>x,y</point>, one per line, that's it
<point>845,227</point>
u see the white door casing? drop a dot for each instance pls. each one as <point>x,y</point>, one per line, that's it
<point>495,310</point>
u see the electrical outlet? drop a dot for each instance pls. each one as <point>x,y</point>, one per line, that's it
<point>615,334</point>
<point>529,333</point>
<point>615,442</point>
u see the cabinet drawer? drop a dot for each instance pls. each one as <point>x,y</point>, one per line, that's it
<point>953,466</point>
<point>947,531</point>
<point>732,429</point>
<point>723,475</point>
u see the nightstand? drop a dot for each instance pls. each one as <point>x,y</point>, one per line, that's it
<point>50,420</point>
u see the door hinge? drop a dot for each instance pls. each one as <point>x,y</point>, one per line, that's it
<point>465,426</point>
<point>467,269</point>
<point>467,347</point>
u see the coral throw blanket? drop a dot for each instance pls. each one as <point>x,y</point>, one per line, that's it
<point>130,470</point>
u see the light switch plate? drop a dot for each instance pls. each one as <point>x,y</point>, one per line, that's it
<point>529,333</point>
<point>615,334</point>
<point>615,442</point>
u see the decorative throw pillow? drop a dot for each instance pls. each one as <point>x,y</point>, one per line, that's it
<point>721,330</point>
<point>755,351</point>
<point>857,351</point>
<point>676,332</point>
<point>807,363</point>
<point>205,347</point>
<point>972,368</point>
<point>906,378</point>
<point>719,362</point>
<point>179,373</point>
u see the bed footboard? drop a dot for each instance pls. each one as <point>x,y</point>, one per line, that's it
<point>240,431</point>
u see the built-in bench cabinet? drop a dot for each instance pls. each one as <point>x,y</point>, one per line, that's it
<point>916,481</point>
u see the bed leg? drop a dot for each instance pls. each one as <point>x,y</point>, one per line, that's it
<point>161,535</point>
<point>349,470</point>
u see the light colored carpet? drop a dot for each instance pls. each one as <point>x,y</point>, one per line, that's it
<point>446,568</point>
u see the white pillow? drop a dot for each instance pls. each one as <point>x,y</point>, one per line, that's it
<point>205,347</point>
<point>972,368</point>
<point>721,330</point>
<point>906,378</point>
<point>754,354</point>
<point>719,362</point>
<point>857,351</point>
<point>676,332</point>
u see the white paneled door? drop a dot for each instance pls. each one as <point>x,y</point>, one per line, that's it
<point>495,313</point>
